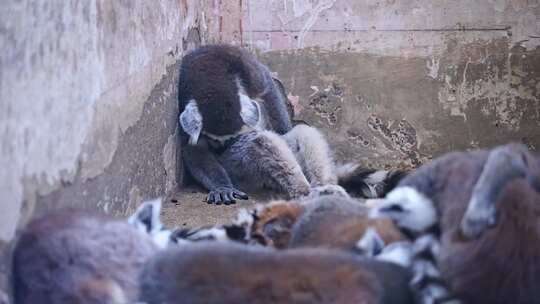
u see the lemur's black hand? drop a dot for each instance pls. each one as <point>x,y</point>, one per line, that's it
<point>226,195</point>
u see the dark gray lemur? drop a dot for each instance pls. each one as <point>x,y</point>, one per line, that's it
<point>237,132</point>
<point>234,273</point>
<point>72,256</point>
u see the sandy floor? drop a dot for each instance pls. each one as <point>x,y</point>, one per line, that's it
<point>187,209</point>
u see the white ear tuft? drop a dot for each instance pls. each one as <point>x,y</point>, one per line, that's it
<point>191,122</point>
<point>146,217</point>
<point>250,111</point>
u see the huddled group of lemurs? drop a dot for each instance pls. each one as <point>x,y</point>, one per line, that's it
<point>463,228</point>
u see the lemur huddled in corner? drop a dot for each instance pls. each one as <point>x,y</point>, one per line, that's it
<point>237,134</point>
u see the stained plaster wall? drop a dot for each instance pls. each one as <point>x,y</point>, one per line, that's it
<point>88,109</point>
<point>87,88</point>
<point>398,82</point>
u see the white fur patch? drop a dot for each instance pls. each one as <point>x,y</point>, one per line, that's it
<point>140,219</point>
<point>191,121</point>
<point>223,138</point>
<point>250,111</point>
<point>370,242</point>
<point>373,202</point>
<point>162,238</point>
<point>377,177</point>
<point>371,191</point>
<point>399,253</point>
<point>346,170</point>
<point>329,189</point>
<point>425,267</point>
<point>218,234</point>
<point>244,218</point>
<point>408,208</point>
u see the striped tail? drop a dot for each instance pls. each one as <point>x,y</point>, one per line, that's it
<point>427,281</point>
<point>419,256</point>
<point>367,183</point>
<point>239,230</point>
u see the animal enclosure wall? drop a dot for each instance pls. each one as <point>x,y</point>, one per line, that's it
<point>88,108</point>
<point>88,111</point>
<point>394,83</point>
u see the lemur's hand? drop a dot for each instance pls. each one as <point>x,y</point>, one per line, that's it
<point>226,195</point>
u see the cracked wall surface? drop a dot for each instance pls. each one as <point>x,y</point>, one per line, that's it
<point>88,110</point>
<point>395,82</point>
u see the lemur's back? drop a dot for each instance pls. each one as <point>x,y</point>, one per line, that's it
<point>74,257</point>
<point>228,273</point>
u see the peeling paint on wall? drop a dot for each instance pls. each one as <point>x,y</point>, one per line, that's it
<point>492,77</point>
<point>314,14</point>
<point>435,75</point>
<point>392,112</point>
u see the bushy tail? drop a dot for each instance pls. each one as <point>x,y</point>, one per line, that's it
<point>368,183</point>
<point>427,281</point>
<point>420,257</point>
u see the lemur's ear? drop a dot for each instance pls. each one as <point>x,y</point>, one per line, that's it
<point>191,122</point>
<point>371,244</point>
<point>146,217</point>
<point>250,111</point>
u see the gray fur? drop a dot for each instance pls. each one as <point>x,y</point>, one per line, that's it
<point>313,154</point>
<point>399,253</point>
<point>295,164</point>
<point>229,98</point>
<point>227,273</point>
<point>75,257</point>
<point>263,159</point>
<point>227,83</point>
<point>325,190</point>
<point>503,164</point>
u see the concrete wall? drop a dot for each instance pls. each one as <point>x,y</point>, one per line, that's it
<point>397,82</point>
<point>88,88</point>
<point>88,106</point>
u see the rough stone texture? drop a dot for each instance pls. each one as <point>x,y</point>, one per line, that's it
<point>395,83</point>
<point>88,104</point>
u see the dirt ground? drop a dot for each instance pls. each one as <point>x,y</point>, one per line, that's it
<point>187,208</point>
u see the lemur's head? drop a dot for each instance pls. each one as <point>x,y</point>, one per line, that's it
<point>409,209</point>
<point>219,120</point>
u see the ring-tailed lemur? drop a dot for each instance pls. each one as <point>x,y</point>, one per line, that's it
<point>483,206</point>
<point>236,133</point>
